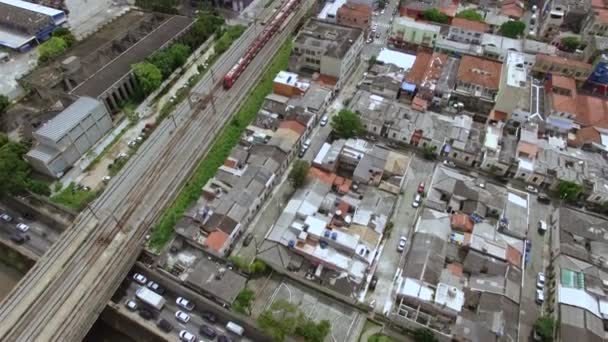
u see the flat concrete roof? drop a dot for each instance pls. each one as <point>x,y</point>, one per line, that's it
<point>104,78</point>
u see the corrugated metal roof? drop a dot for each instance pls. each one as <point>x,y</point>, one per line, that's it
<point>68,119</point>
<point>43,153</point>
<point>32,7</point>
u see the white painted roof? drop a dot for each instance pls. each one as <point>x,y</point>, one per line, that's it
<point>579,298</point>
<point>449,296</point>
<point>400,59</point>
<point>517,200</point>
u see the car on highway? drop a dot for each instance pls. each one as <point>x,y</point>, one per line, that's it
<point>184,303</point>
<point>6,218</point>
<point>131,305</point>
<point>401,245</point>
<point>165,325</point>
<point>540,280</point>
<point>23,227</point>
<point>247,239</point>
<point>19,238</point>
<point>373,283</point>
<point>542,198</point>
<point>324,120</point>
<point>207,331</point>
<point>540,297</point>
<point>187,336</point>
<point>182,317</point>
<point>140,279</point>
<point>209,316</point>
<point>531,189</point>
<point>421,187</point>
<point>155,287</point>
<point>417,201</point>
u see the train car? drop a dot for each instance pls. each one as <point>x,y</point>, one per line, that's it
<point>271,28</point>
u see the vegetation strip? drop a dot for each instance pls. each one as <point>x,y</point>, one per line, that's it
<point>222,147</point>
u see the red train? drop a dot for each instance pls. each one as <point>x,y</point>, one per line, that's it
<point>271,28</point>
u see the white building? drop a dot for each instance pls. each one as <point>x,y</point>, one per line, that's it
<point>513,83</point>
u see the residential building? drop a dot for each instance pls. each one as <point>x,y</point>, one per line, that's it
<point>597,83</point>
<point>69,136</point>
<point>288,84</point>
<point>408,33</point>
<point>415,8</point>
<point>513,83</point>
<point>462,143</point>
<point>498,152</point>
<point>332,50</point>
<point>329,12</point>
<point>561,102</point>
<point>578,70</point>
<point>596,23</point>
<point>513,9</point>
<point>596,46</point>
<point>355,15</point>
<point>424,77</point>
<point>467,31</point>
<point>477,83</point>
<point>24,24</point>
<point>383,80</point>
<point>552,18</point>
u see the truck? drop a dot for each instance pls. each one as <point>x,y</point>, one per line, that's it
<point>150,298</point>
<point>235,328</point>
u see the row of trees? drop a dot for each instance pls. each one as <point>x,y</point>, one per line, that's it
<point>284,319</point>
<point>15,173</point>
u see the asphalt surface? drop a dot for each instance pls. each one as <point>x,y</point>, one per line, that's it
<point>383,24</point>
<point>41,236</point>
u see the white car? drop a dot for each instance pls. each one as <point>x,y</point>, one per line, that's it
<point>106,179</point>
<point>139,278</point>
<point>401,245</point>
<point>131,305</point>
<point>6,218</point>
<point>324,120</point>
<point>540,281</point>
<point>417,201</point>
<point>184,303</point>
<point>531,189</point>
<point>306,144</point>
<point>181,316</point>
<point>23,227</point>
<point>187,336</point>
<point>540,297</point>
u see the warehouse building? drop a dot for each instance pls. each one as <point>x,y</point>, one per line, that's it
<point>24,24</point>
<point>68,136</point>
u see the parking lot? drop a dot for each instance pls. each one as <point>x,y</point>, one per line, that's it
<point>41,236</point>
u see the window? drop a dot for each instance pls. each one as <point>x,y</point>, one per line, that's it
<point>394,135</point>
<point>454,155</point>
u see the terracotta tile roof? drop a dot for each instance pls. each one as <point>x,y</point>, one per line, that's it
<point>216,240</point>
<point>561,61</point>
<point>601,15</point>
<point>421,63</point>
<point>420,104</point>
<point>479,71</point>
<point>323,176</point>
<point>343,207</point>
<point>462,221</point>
<point>513,256</point>
<point>497,115</point>
<point>471,25</point>
<point>527,148</point>
<point>563,82</point>
<point>512,10</point>
<point>587,135</point>
<point>350,9</point>
<point>327,80</point>
<point>294,126</point>
<point>564,103</point>
<point>427,67</point>
<point>230,162</point>
<point>455,269</point>
<point>591,111</point>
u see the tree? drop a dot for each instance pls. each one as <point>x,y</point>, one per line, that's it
<point>570,44</point>
<point>299,172</point>
<point>4,103</point>
<point>3,139</point>
<point>424,335</point>
<point>433,14</point>
<point>347,124</point>
<point>512,29</point>
<point>148,76</point>
<point>66,35</point>
<point>51,49</point>
<point>14,171</point>
<point>544,327</point>
<point>179,54</point>
<point>280,320</point>
<point>258,267</point>
<point>569,191</point>
<point>372,60</point>
<point>429,152</point>
<point>313,332</point>
<point>470,14</point>
<point>243,301</point>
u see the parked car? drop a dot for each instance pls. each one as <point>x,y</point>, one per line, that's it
<point>377,34</point>
<point>373,283</point>
<point>146,314</point>
<point>528,246</point>
<point>208,331</point>
<point>209,316</point>
<point>6,218</point>
<point>183,317</point>
<point>401,245</point>
<point>247,239</point>
<point>140,279</point>
<point>19,238</point>
<point>164,325</point>
<point>155,287</point>
<point>540,297</point>
<point>417,201</point>
<point>421,187</point>
<point>324,120</point>
<point>187,336</point>
<point>542,227</point>
<point>542,198</point>
<point>106,179</point>
<point>302,152</point>
<point>184,303</point>
<point>23,227</point>
<point>132,143</point>
<point>131,305</point>
<point>224,338</point>
<point>531,189</point>
<point>306,143</point>
<point>540,280</point>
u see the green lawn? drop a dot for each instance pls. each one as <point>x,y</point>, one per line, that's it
<point>73,198</point>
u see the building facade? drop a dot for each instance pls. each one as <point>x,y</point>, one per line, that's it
<point>407,31</point>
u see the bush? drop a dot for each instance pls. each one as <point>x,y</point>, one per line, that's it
<point>4,103</point>
<point>51,49</point>
<point>38,187</point>
<point>435,15</point>
<point>224,42</point>
<point>148,76</point>
<point>298,173</point>
<point>66,35</point>
<point>544,327</point>
<point>243,301</point>
<point>258,267</point>
<point>470,14</point>
<point>512,29</point>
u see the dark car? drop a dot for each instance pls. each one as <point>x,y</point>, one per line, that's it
<point>208,331</point>
<point>373,283</point>
<point>209,316</point>
<point>223,338</point>
<point>19,238</point>
<point>248,239</point>
<point>542,198</point>
<point>146,314</point>
<point>155,287</point>
<point>164,325</point>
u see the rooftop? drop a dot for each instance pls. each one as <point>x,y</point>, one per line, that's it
<point>334,40</point>
<point>204,277</point>
<point>470,24</point>
<point>58,126</point>
<point>562,61</point>
<point>516,70</point>
<point>400,22</point>
<point>591,111</point>
<point>479,71</point>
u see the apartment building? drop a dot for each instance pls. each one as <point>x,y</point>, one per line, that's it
<point>467,31</point>
<point>555,65</point>
<point>407,32</point>
<point>477,83</point>
<point>552,18</point>
<point>562,98</point>
<point>596,23</point>
<point>330,49</point>
<point>69,136</point>
<point>355,15</point>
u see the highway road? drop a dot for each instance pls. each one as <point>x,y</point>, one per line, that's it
<point>41,236</point>
<point>63,294</point>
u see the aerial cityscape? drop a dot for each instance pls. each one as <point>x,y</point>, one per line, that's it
<point>304,170</point>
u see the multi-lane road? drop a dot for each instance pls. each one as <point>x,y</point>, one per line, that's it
<point>41,236</point>
<point>62,295</point>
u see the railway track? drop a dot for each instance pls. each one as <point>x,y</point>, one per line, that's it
<point>61,297</point>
